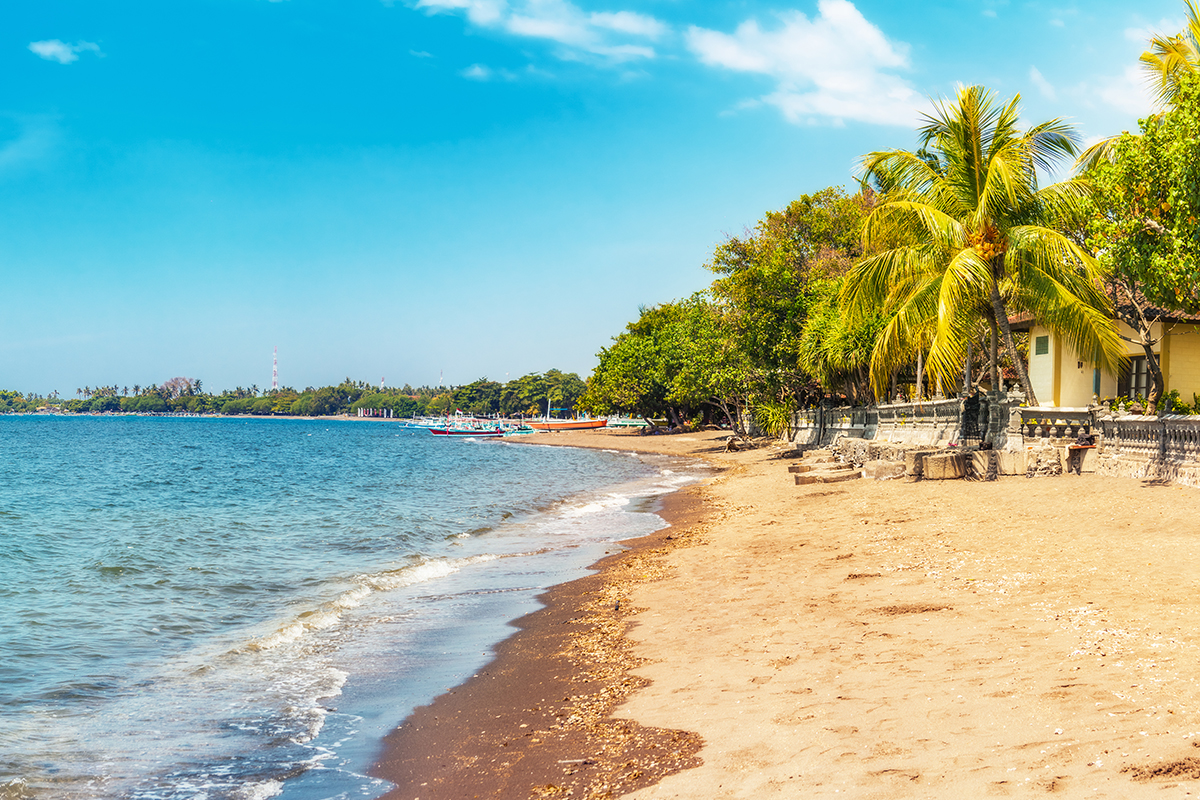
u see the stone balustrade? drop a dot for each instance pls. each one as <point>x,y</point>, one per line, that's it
<point>1047,422</point>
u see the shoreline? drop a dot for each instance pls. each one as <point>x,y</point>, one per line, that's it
<point>932,639</point>
<point>537,720</point>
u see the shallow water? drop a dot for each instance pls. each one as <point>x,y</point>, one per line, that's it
<point>204,608</point>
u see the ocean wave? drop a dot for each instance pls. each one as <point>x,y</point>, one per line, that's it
<point>258,791</point>
<point>329,614</point>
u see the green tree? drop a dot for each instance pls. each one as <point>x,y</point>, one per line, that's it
<point>835,348</point>
<point>675,359</point>
<point>1143,225</point>
<point>764,285</point>
<point>983,241</point>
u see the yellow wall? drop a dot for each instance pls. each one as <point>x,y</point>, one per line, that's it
<point>1075,375</point>
<point>1179,354</point>
<point>1182,370</point>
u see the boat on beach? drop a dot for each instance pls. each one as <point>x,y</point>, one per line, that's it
<point>567,424</point>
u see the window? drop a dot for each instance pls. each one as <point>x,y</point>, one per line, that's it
<point>1135,381</point>
<point>1041,345</point>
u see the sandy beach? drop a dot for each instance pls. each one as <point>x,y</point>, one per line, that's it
<point>871,639</point>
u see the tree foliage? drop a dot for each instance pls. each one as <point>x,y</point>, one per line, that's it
<point>983,240</point>
<point>1143,221</point>
<point>766,285</point>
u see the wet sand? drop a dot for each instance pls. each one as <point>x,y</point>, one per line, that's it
<point>881,639</point>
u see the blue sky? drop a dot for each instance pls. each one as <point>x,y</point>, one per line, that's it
<point>457,188</point>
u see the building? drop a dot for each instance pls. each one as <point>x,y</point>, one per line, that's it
<point>1061,377</point>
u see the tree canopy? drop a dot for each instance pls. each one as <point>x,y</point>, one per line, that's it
<point>983,241</point>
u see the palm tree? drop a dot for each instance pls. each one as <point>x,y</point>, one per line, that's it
<point>969,235</point>
<point>1172,58</point>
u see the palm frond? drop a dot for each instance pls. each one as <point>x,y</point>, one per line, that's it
<point>1086,328</point>
<point>1097,153</point>
<point>1051,142</point>
<point>907,328</point>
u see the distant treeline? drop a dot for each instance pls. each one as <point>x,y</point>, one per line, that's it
<point>528,395</point>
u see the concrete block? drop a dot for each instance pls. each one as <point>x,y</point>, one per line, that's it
<point>883,470</point>
<point>943,466</point>
<point>1012,462</point>
<point>982,465</point>
<point>913,459</point>
<point>828,476</point>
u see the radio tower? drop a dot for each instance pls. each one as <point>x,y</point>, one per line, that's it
<point>275,371</point>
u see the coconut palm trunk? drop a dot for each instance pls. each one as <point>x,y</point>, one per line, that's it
<point>1000,313</point>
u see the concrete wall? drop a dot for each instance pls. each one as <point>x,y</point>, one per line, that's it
<point>1041,367</point>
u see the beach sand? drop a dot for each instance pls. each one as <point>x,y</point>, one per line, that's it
<point>868,639</point>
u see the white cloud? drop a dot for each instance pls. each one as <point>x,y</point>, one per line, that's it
<point>603,34</point>
<point>63,53</point>
<point>989,12</point>
<point>1128,92</point>
<point>482,72</point>
<point>629,22</point>
<point>835,66</point>
<point>480,12</point>
<point>420,54</point>
<point>1167,27</point>
<point>1044,86</point>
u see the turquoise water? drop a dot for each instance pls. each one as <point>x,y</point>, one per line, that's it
<point>202,608</point>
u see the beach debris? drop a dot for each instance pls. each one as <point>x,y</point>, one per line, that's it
<point>914,461</point>
<point>910,608</point>
<point>1185,768</point>
<point>983,465</point>
<point>1043,461</point>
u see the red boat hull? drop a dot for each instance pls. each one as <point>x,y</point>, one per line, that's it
<point>568,424</point>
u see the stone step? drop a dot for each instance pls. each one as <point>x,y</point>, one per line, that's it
<point>798,468</point>
<point>828,477</point>
<point>819,460</point>
<point>817,453</point>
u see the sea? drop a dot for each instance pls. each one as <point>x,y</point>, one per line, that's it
<point>242,608</point>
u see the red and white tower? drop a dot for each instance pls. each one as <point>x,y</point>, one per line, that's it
<point>275,371</point>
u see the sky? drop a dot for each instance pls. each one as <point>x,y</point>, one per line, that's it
<point>425,191</point>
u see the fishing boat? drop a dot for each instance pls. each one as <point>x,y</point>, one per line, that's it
<point>567,424</point>
<point>467,431</point>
